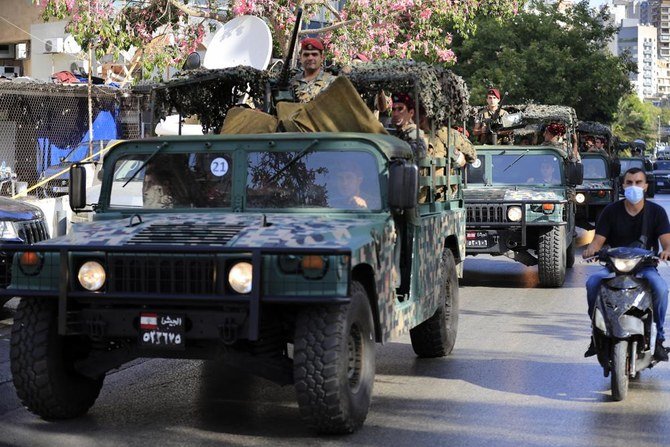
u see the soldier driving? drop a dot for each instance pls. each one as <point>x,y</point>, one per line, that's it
<point>308,83</point>
<point>488,117</point>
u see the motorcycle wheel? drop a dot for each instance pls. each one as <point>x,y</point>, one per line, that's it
<point>620,377</point>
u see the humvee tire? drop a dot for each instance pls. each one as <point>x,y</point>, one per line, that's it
<point>570,255</point>
<point>334,363</point>
<point>42,364</point>
<point>436,336</point>
<point>551,253</point>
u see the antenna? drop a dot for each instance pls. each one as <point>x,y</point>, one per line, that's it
<point>245,40</point>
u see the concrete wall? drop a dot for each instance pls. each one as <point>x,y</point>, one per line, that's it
<point>17,17</point>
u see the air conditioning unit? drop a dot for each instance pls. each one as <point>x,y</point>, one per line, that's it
<point>53,45</point>
<point>21,51</point>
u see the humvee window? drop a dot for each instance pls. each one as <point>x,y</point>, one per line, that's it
<point>515,169</point>
<point>594,168</point>
<point>338,180</point>
<point>626,164</point>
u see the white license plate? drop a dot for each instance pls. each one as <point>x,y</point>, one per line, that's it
<point>479,243</point>
<point>161,331</point>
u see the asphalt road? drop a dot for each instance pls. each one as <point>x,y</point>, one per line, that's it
<point>515,378</point>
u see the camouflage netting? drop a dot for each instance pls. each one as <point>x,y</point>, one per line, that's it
<point>442,93</point>
<point>207,93</point>
<point>541,113</point>
<point>594,128</point>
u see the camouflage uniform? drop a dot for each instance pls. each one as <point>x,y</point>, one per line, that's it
<point>484,117</point>
<point>305,91</point>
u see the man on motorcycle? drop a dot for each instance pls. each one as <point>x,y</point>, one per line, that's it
<point>633,221</point>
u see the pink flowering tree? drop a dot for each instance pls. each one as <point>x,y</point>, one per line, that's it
<point>168,30</point>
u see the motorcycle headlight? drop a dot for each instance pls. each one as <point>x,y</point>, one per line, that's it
<point>7,230</point>
<point>625,265</point>
<point>514,213</point>
<point>92,276</point>
<point>580,198</point>
<point>240,276</point>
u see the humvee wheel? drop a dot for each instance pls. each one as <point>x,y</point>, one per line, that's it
<point>570,255</point>
<point>436,336</point>
<point>551,253</point>
<point>42,364</point>
<point>334,363</point>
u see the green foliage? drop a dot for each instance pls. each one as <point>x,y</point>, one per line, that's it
<point>547,56</point>
<point>636,120</point>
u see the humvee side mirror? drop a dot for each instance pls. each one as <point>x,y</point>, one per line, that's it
<point>77,187</point>
<point>574,173</point>
<point>403,186</point>
<point>615,167</point>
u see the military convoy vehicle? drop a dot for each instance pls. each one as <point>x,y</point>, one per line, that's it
<point>286,254</point>
<point>520,196</point>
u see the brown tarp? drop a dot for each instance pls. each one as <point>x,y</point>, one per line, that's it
<point>285,113</point>
<point>338,108</point>
<point>241,120</point>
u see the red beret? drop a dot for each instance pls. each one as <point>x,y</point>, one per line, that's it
<point>556,128</point>
<point>311,44</point>
<point>403,98</point>
<point>494,92</point>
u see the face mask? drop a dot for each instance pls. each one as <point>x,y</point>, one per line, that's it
<point>634,194</point>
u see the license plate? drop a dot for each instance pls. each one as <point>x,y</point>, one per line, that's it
<point>660,183</point>
<point>162,331</point>
<point>476,239</point>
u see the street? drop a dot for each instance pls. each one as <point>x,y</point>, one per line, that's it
<point>517,377</point>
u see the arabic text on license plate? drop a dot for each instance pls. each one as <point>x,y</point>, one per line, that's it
<point>476,243</point>
<point>162,331</point>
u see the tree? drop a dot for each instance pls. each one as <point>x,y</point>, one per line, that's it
<point>535,60</point>
<point>420,29</point>
<point>636,120</point>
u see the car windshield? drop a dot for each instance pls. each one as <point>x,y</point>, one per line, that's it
<point>338,180</point>
<point>626,164</point>
<point>662,165</point>
<point>594,168</point>
<point>172,181</point>
<point>515,169</point>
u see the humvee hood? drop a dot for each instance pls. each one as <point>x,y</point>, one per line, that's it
<point>511,194</point>
<point>594,184</point>
<point>229,230</point>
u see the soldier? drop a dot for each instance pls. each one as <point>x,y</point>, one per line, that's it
<point>599,146</point>
<point>554,134</point>
<point>484,121</point>
<point>402,117</point>
<point>307,84</point>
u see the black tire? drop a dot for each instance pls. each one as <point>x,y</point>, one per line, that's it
<point>42,364</point>
<point>570,255</point>
<point>551,257</point>
<point>334,363</point>
<point>651,190</point>
<point>436,336</point>
<point>620,362</point>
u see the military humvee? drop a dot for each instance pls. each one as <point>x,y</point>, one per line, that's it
<point>520,196</point>
<point>287,254</point>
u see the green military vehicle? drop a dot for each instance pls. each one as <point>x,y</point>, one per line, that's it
<point>286,254</point>
<point>520,197</point>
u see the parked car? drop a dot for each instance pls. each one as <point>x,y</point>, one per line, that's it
<point>661,174</point>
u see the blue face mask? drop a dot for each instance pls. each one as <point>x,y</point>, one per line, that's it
<point>634,194</point>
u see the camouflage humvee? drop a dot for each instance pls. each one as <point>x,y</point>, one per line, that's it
<point>286,254</point>
<point>520,197</point>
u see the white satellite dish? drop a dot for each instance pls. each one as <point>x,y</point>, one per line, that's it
<point>70,45</point>
<point>245,40</point>
<point>170,126</point>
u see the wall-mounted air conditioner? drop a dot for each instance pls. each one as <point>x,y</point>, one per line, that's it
<point>53,45</point>
<point>21,51</point>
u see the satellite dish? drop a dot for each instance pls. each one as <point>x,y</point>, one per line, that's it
<point>245,40</point>
<point>70,45</point>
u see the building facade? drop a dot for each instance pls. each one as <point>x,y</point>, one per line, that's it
<point>640,41</point>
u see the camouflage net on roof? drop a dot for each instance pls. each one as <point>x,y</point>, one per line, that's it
<point>442,93</point>
<point>541,113</point>
<point>594,128</point>
<point>207,93</point>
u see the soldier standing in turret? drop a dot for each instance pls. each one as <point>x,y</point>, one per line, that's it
<point>488,117</point>
<point>307,84</point>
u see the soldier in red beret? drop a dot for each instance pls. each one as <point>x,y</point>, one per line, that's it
<point>482,127</point>
<point>554,135</point>
<point>307,84</point>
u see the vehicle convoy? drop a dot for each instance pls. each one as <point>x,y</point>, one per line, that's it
<point>520,198</point>
<point>624,332</point>
<point>20,223</point>
<point>286,254</point>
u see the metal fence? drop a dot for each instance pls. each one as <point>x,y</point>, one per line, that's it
<point>43,125</point>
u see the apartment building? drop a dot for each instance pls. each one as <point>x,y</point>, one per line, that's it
<point>640,41</point>
<point>16,17</point>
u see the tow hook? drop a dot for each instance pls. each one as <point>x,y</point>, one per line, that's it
<point>228,331</point>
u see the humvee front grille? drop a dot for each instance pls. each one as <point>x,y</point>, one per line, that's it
<point>186,234</point>
<point>162,274</point>
<point>485,213</point>
<point>32,231</point>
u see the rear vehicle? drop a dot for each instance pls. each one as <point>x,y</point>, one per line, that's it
<point>599,188</point>
<point>641,163</point>
<point>661,174</point>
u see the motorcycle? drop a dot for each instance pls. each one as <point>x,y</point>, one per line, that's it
<point>623,326</point>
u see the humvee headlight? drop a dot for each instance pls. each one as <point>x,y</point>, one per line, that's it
<point>92,276</point>
<point>240,276</point>
<point>580,198</point>
<point>514,213</point>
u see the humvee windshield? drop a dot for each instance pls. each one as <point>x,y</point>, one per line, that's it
<point>594,168</point>
<point>337,180</point>
<point>518,168</point>
<point>628,163</point>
